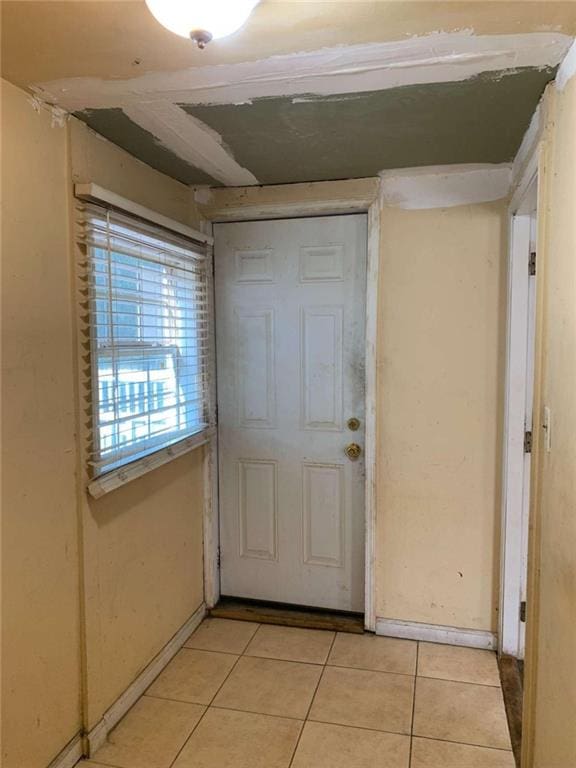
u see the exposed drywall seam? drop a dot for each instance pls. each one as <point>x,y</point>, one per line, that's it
<point>191,140</point>
<point>567,69</point>
<point>440,57</point>
<point>444,186</point>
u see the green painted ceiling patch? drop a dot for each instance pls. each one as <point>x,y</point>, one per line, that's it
<point>114,125</point>
<point>286,139</point>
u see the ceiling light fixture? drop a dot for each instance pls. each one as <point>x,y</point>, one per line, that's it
<point>201,20</point>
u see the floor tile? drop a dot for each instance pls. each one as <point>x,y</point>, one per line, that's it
<point>385,654</point>
<point>336,746</point>
<point>427,753</point>
<point>291,644</point>
<point>270,687</point>
<point>466,665</point>
<point>150,735</point>
<point>377,700</point>
<point>228,739</point>
<point>193,676</point>
<point>462,712</point>
<point>222,635</point>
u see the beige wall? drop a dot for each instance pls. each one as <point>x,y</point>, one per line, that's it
<point>141,567</point>
<point>40,570</point>
<point>439,410</point>
<point>550,740</point>
<point>441,315</point>
<point>142,544</point>
<point>144,571</point>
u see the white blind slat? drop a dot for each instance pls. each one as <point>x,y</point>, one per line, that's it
<point>150,336</point>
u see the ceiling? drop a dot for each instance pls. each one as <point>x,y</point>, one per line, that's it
<point>305,91</point>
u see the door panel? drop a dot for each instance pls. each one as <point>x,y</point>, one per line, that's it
<point>290,323</point>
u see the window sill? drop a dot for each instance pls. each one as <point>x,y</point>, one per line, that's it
<point>119,477</point>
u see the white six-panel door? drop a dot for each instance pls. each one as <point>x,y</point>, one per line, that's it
<point>290,318</point>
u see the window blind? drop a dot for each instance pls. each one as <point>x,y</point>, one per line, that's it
<point>148,337</point>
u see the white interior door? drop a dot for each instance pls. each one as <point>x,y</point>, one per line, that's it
<point>290,324</point>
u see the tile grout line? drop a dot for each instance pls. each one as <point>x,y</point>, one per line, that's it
<point>312,701</point>
<point>208,707</point>
<point>413,705</point>
<point>464,743</point>
<point>324,666</point>
<point>403,733</point>
<point>344,666</point>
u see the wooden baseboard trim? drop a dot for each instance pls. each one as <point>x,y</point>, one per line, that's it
<point>70,755</point>
<point>435,633</point>
<point>97,736</point>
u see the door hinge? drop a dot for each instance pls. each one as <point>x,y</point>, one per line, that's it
<point>523,611</point>
<point>532,263</point>
<point>218,558</point>
<point>527,442</point>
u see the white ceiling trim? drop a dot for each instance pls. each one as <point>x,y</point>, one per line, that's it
<point>444,186</point>
<point>190,140</point>
<point>437,58</point>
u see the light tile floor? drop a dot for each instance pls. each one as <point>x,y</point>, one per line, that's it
<point>244,695</point>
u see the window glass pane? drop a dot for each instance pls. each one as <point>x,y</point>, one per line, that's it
<point>149,341</point>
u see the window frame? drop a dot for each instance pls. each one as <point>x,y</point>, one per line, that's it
<point>138,466</point>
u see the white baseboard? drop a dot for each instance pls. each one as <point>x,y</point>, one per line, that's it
<point>435,633</point>
<point>116,712</point>
<point>70,755</point>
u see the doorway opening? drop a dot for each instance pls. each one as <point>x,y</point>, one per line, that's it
<point>519,420</point>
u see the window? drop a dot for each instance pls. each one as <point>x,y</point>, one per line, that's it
<point>149,337</point>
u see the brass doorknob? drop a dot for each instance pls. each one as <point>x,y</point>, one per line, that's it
<point>353,451</point>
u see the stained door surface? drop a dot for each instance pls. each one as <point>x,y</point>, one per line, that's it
<point>290,320</point>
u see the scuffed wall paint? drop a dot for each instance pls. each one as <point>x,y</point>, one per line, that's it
<point>440,386</point>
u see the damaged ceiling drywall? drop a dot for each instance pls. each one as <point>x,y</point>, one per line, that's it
<point>306,91</point>
<point>114,125</point>
<point>282,140</point>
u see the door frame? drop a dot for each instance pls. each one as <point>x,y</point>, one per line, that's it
<point>515,470</point>
<point>297,206</point>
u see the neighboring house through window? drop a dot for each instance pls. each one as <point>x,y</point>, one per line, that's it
<point>149,337</point>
